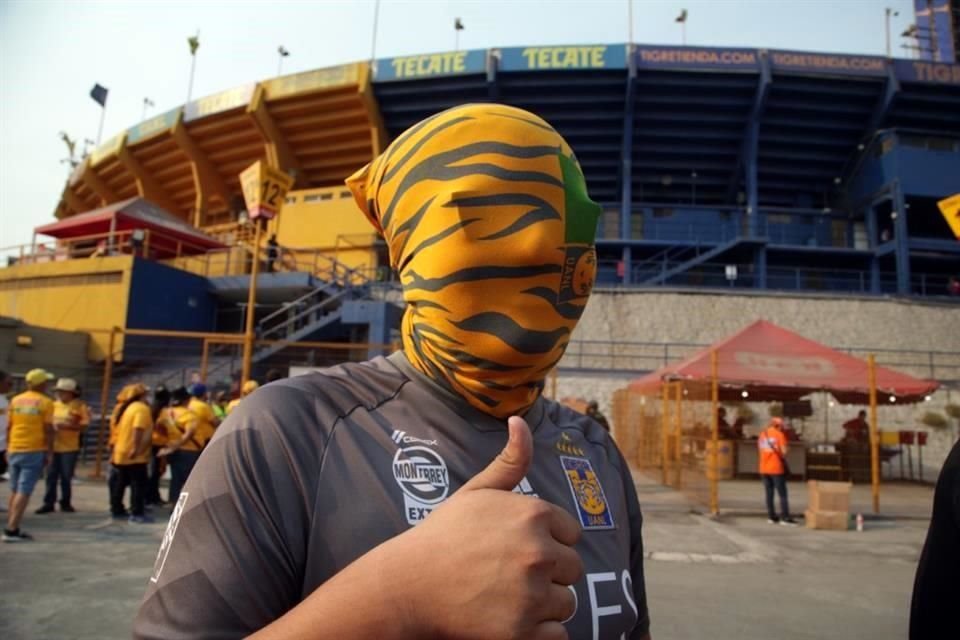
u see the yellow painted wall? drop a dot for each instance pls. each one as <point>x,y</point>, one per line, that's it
<point>90,293</point>
<point>327,219</point>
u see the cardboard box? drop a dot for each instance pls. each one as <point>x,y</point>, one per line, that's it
<point>832,520</point>
<point>828,496</point>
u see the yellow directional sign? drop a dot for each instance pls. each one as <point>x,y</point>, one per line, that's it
<point>950,208</point>
<point>264,189</point>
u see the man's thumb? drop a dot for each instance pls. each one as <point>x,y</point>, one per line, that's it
<point>508,468</point>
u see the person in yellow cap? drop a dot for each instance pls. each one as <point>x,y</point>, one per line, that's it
<point>29,447</point>
<point>131,452</point>
<point>248,387</point>
<point>71,417</point>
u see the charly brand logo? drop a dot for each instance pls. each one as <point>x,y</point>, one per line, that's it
<point>167,541</point>
<point>423,477</point>
<point>401,437</point>
<point>592,507</point>
<point>565,445</point>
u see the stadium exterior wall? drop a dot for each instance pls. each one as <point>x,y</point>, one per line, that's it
<point>70,295</point>
<point>703,317</point>
<point>700,317</point>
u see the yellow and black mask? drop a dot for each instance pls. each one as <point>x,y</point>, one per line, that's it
<point>485,212</point>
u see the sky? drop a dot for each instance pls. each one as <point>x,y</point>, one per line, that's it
<point>52,52</point>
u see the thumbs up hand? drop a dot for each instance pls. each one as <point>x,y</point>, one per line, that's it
<point>489,563</point>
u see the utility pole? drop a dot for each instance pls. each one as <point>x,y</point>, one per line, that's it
<point>194,43</point>
<point>888,12</point>
<point>281,54</point>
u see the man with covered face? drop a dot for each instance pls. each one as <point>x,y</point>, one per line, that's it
<point>433,493</point>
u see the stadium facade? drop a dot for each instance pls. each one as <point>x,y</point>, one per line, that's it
<point>716,168</point>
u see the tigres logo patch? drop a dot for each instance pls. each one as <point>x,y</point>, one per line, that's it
<point>588,496</point>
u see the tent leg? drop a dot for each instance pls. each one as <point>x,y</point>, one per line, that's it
<point>874,433</point>
<point>714,436</point>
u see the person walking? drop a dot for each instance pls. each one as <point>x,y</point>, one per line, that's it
<point>248,387</point>
<point>772,445</point>
<point>71,417</point>
<point>183,448</point>
<point>207,421</point>
<point>131,453</point>
<point>158,440</point>
<point>29,447</point>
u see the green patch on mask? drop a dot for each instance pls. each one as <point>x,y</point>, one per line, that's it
<point>582,213</point>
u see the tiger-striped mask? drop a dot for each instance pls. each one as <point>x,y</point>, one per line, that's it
<point>485,212</point>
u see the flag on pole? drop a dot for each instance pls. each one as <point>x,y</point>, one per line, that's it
<point>682,17</point>
<point>458,24</point>
<point>99,95</point>
<point>194,42</point>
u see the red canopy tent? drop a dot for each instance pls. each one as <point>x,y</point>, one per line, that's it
<point>169,236</point>
<point>772,363</point>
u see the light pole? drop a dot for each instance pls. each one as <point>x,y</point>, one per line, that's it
<point>888,12</point>
<point>373,40</point>
<point>281,54</point>
<point>629,21</point>
<point>457,28</point>
<point>147,102</point>
<point>682,19</point>
<point>194,43</point>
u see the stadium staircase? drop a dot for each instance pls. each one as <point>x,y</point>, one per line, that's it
<point>674,261</point>
<point>311,313</point>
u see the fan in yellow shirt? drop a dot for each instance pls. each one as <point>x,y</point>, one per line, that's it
<point>70,418</point>
<point>29,448</point>
<point>183,447</point>
<point>248,387</point>
<point>134,429</point>
<point>207,421</point>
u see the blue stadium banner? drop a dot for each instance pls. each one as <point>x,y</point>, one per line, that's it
<point>923,71</point>
<point>153,126</point>
<point>431,65</point>
<point>575,57</point>
<point>827,63</point>
<point>698,58</point>
<point>218,102</point>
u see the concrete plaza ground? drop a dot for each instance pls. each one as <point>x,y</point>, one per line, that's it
<point>736,578</point>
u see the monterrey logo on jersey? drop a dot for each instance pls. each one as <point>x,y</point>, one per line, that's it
<point>587,493</point>
<point>422,475</point>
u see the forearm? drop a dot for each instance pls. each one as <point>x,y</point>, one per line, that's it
<point>354,604</point>
<point>140,442</point>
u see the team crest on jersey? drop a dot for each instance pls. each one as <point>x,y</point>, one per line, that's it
<point>592,507</point>
<point>423,478</point>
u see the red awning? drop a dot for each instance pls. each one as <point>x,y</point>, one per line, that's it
<point>772,363</point>
<point>169,234</point>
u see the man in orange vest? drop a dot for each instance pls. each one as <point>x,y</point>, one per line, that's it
<point>772,444</point>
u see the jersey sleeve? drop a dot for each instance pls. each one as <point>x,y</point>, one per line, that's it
<point>635,518</point>
<point>233,556</point>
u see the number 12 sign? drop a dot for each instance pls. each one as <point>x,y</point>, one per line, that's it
<point>264,189</point>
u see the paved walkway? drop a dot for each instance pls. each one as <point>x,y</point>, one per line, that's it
<point>735,578</point>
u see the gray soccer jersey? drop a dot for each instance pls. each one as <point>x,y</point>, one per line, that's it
<point>310,473</point>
